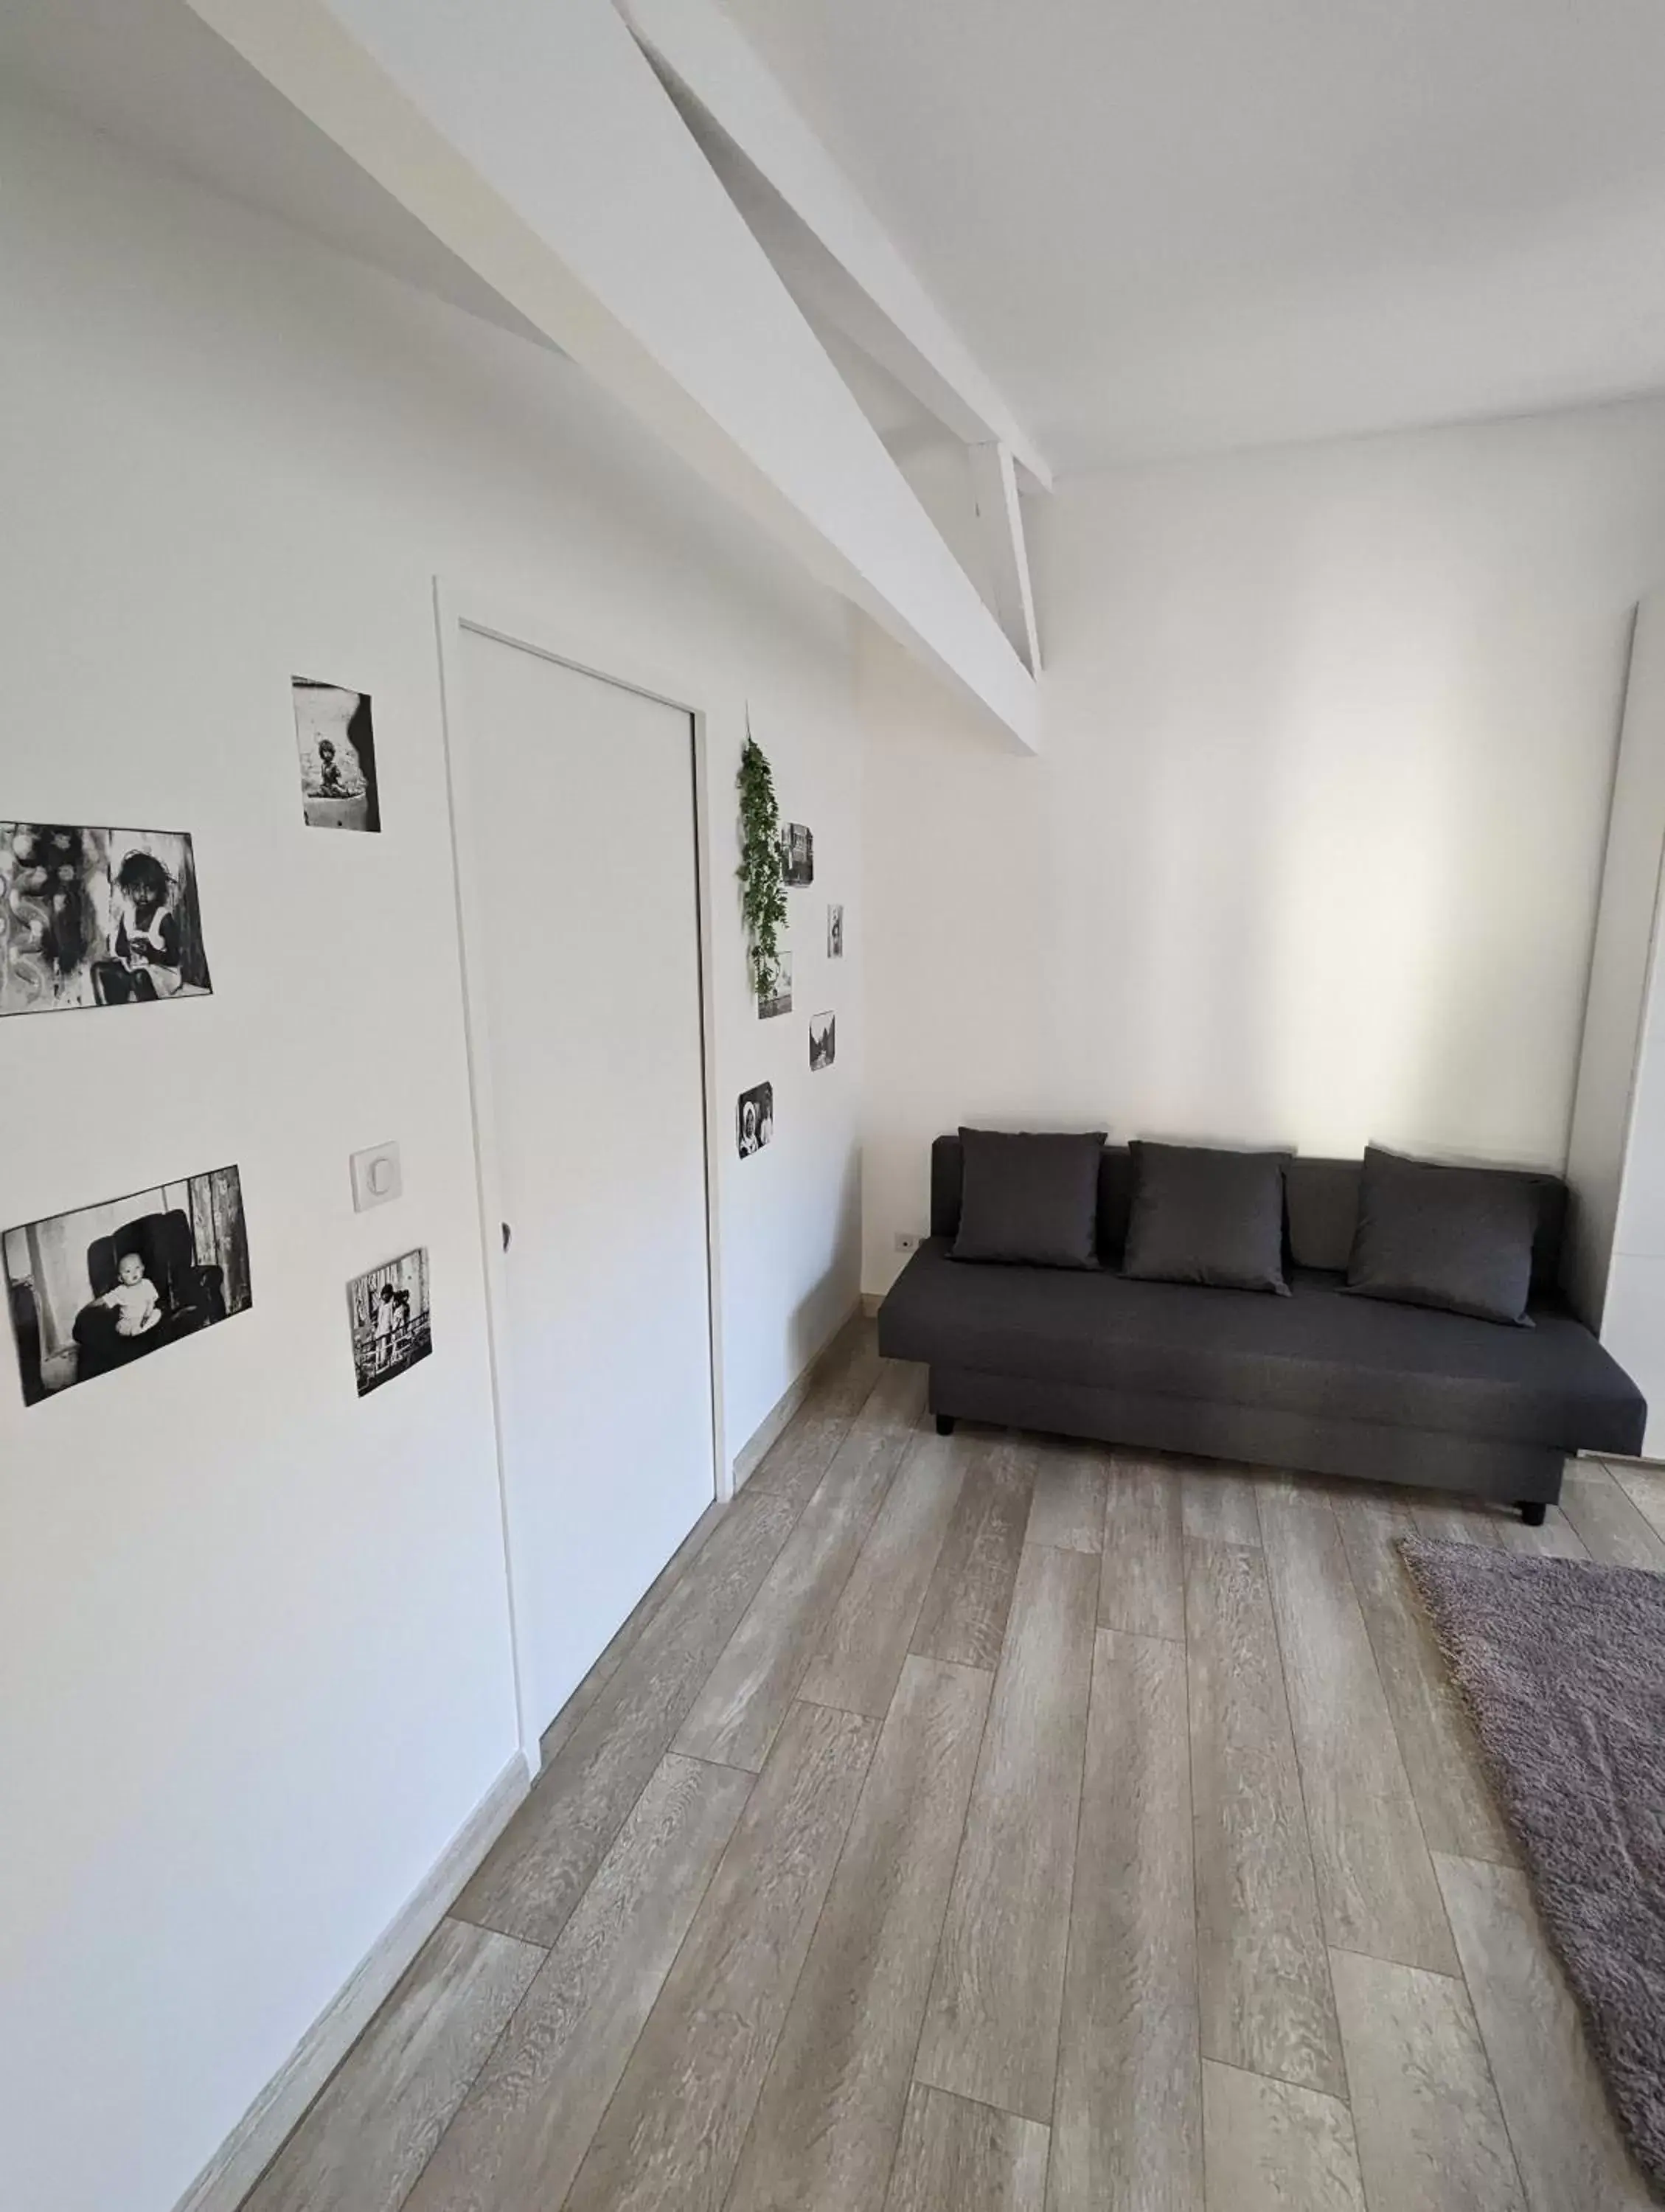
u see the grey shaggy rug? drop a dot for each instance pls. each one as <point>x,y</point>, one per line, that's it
<point>1563,1665</point>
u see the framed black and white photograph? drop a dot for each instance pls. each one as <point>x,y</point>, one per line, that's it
<point>390,1324</point>
<point>824,1041</point>
<point>334,730</point>
<point>779,1000</point>
<point>97,918</point>
<point>835,933</point>
<point>797,855</point>
<point>105,1285</point>
<point>754,1119</point>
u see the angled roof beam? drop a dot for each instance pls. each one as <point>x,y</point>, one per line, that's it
<point>800,203</point>
<point>536,142</point>
<point>1000,519</point>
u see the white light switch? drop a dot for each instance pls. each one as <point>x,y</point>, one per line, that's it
<point>377,1176</point>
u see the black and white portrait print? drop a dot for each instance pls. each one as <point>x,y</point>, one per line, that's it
<point>97,918</point>
<point>105,1285</point>
<point>387,1307</point>
<point>797,855</point>
<point>824,1041</point>
<point>334,730</point>
<point>754,1119</point>
<point>835,933</point>
<point>779,1000</point>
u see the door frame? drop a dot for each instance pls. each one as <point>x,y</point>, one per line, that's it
<point>458,611</point>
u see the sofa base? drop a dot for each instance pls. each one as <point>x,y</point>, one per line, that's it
<point>1526,1476</point>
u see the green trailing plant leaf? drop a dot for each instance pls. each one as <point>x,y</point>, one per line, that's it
<point>762,897</point>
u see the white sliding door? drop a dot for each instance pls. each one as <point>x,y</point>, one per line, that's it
<point>579,855</point>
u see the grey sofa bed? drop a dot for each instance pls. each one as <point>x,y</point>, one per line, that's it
<point>1317,1381</point>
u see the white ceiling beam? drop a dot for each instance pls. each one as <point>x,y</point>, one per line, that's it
<point>1000,519</point>
<point>536,142</point>
<point>809,214</point>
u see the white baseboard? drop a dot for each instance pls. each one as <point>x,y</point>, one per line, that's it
<point>757,1444</point>
<point>871,1302</point>
<point>253,2142</point>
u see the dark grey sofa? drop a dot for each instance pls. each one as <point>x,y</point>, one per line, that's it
<point>1318,1382</point>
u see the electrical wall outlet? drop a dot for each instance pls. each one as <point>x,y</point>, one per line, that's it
<point>906,1240</point>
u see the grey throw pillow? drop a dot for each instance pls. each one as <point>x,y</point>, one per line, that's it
<point>1031,1200</point>
<point>1459,1239</point>
<point>1200,1215</point>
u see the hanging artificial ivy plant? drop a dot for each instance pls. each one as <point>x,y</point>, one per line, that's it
<point>762,900</point>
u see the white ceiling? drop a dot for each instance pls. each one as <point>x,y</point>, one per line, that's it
<point>1175,225</point>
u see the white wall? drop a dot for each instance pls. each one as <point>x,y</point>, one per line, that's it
<point>1310,852</point>
<point>252,1632</point>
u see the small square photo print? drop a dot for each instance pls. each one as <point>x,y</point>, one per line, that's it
<point>835,933</point>
<point>797,854</point>
<point>824,1041</point>
<point>388,1310</point>
<point>334,730</point>
<point>779,1000</point>
<point>754,1119</point>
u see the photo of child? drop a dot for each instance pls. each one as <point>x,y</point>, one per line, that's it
<point>93,1290</point>
<point>336,733</point>
<point>387,1307</point>
<point>97,918</point>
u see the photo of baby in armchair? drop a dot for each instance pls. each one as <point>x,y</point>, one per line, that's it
<point>95,1288</point>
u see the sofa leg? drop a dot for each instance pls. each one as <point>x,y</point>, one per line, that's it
<point>945,1424</point>
<point>1531,1512</point>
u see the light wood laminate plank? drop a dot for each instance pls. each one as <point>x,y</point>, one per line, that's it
<point>826,2126</point>
<point>524,2127</point>
<point>1424,2108</point>
<point>1377,1889</point>
<point>1142,1589</point>
<point>744,1699</point>
<point>369,2134</point>
<point>1566,2145</point>
<point>801,1456</point>
<point>1605,1522</point>
<point>1218,1502</point>
<point>1127,2126</point>
<point>1273,2147</point>
<point>1479,1520</point>
<point>671,2137</point>
<point>859,1661</point>
<point>960,2157</point>
<point>613,1657</point>
<point>1263,1977</point>
<point>539,1867</point>
<point>1067,1509</point>
<point>991,2032</point>
<point>1436,1735</point>
<point>964,1618</point>
<point>1645,1488</point>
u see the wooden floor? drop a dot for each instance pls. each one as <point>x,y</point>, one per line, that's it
<point>993,1825</point>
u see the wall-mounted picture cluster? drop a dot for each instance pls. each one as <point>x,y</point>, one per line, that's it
<point>387,1307</point>
<point>97,918</point>
<point>775,856</point>
<point>109,1283</point>
<point>334,730</point>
